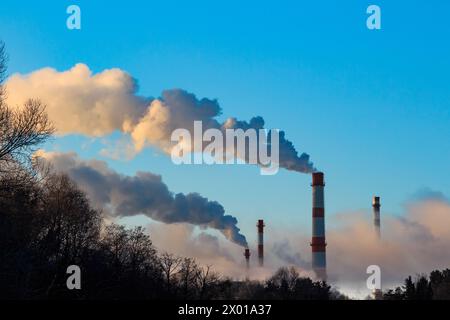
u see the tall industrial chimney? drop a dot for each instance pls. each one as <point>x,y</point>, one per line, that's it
<point>260,227</point>
<point>376,215</point>
<point>318,244</point>
<point>377,293</point>
<point>247,257</point>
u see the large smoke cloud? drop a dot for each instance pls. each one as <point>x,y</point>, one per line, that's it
<point>145,193</point>
<point>79,102</point>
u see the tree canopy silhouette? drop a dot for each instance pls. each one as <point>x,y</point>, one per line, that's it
<point>436,286</point>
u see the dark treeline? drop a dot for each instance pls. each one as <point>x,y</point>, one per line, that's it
<point>434,287</point>
<point>48,224</point>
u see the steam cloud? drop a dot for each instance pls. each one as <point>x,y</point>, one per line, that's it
<point>413,243</point>
<point>144,193</point>
<point>94,105</point>
<point>284,251</point>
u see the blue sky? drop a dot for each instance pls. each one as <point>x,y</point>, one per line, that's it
<point>370,107</point>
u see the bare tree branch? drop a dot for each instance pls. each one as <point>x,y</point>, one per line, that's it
<point>22,130</point>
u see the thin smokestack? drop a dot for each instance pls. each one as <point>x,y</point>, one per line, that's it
<point>318,244</point>
<point>260,227</point>
<point>377,293</point>
<point>376,215</point>
<point>247,257</point>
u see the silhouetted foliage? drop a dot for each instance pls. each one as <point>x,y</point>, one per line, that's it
<point>286,284</point>
<point>440,284</point>
<point>436,287</point>
<point>21,130</point>
<point>396,294</point>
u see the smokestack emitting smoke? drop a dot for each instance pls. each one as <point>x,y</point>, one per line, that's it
<point>376,215</point>
<point>318,244</point>
<point>247,257</point>
<point>261,226</point>
<point>144,193</point>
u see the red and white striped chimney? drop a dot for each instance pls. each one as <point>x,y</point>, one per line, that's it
<point>260,227</point>
<point>318,244</point>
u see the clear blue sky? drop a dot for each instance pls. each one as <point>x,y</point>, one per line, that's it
<point>370,107</point>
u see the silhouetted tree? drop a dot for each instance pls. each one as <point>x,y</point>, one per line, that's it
<point>410,289</point>
<point>436,286</point>
<point>440,284</point>
<point>21,128</point>
<point>423,288</point>
<point>207,282</point>
<point>70,228</point>
<point>397,294</point>
<point>170,266</point>
<point>188,275</point>
<point>131,267</point>
<point>287,284</point>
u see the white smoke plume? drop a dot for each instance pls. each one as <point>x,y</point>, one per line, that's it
<point>145,193</point>
<point>79,102</point>
<point>94,105</point>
